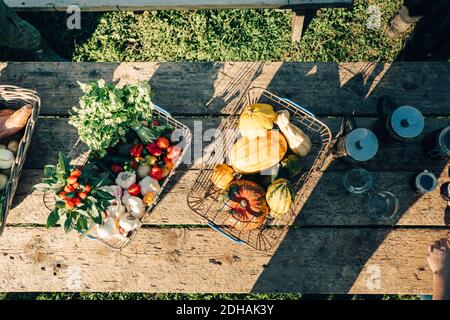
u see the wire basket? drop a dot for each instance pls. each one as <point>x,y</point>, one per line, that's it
<point>80,156</point>
<point>15,97</point>
<point>205,199</point>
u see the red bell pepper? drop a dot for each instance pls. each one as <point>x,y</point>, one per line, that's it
<point>134,163</point>
<point>162,143</point>
<point>134,190</point>
<point>173,152</point>
<point>116,168</point>
<point>153,149</point>
<point>136,150</point>
<point>156,173</point>
<point>169,163</point>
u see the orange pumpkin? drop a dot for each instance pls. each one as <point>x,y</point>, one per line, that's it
<point>247,204</point>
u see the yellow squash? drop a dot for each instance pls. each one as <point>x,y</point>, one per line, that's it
<point>255,119</point>
<point>251,156</point>
<point>280,197</point>
<point>222,176</point>
<point>298,141</point>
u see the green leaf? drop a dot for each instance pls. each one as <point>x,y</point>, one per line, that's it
<point>60,204</point>
<point>103,180</point>
<point>42,187</point>
<point>103,194</point>
<point>49,170</point>
<point>82,224</point>
<point>63,168</point>
<point>53,218</point>
<point>69,224</point>
<point>50,180</point>
<point>95,215</point>
<point>72,194</point>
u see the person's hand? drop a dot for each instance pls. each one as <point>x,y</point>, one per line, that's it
<point>439,257</point>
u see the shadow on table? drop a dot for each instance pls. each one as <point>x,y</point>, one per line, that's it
<point>200,98</point>
<point>330,246</point>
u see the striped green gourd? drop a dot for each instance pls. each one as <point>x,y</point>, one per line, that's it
<point>280,197</point>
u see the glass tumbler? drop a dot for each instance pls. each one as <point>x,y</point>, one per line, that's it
<point>358,181</point>
<point>383,206</point>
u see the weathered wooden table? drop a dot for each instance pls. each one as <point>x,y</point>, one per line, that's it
<point>333,247</point>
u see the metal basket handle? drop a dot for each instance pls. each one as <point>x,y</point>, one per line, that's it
<point>162,110</point>
<point>230,237</point>
<point>299,107</point>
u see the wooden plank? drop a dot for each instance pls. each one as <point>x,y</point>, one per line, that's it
<point>201,260</point>
<point>137,5</point>
<point>193,88</point>
<point>297,25</point>
<point>301,19</point>
<point>54,134</point>
<point>322,207</point>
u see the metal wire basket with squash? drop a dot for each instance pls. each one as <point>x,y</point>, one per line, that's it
<point>13,97</point>
<point>241,212</point>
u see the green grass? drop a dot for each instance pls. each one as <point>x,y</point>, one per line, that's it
<point>184,296</point>
<point>221,35</point>
<point>144,296</point>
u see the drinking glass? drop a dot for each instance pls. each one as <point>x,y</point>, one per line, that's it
<point>358,181</point>
<point>383,205</point>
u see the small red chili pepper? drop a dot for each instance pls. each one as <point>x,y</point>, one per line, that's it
<point>155,122</point>
<point>136,150</point>
<point>162,143</point>
<point>71,180</point>
<point>69,204</point>
<point>76,185</point>
<point>156,173</point>
<point>69,189</point>
<point>76,201</point>
<point>87,188</point>
<point>134,190</point>
<point>62,195</point>
<point>154,150</point>
<point>82,195</point>
<point>75,173</point>
<point>116,168</point>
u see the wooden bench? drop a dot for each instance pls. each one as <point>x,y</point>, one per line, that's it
<point>303,10</point>
<point>334,247</point>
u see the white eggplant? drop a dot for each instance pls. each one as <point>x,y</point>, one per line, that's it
<point>136,207</point>
<point>6,159</point>
<point>3,181</point>
<point>116,191</point>
<point>125,179</point>
<point>148,184</point>
<point>116,209</point>
<point>142,171</point>
<point>108,229</point>
<point>128,223</point>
